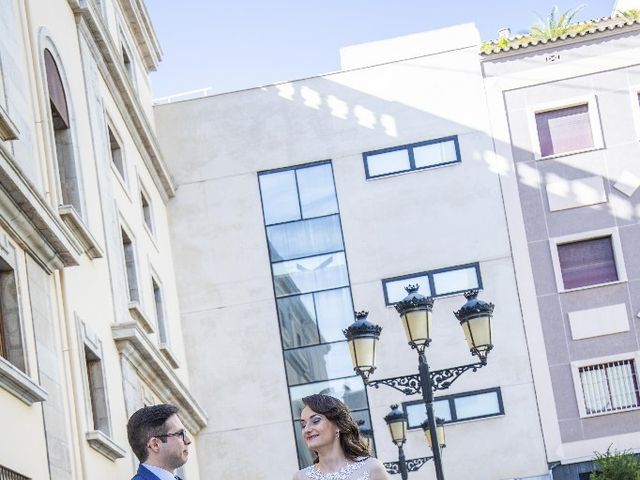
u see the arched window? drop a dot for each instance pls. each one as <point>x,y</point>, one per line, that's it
<point>67,171</point>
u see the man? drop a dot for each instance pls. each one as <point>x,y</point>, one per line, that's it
<point>159,440</point>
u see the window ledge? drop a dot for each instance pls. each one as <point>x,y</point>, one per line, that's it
<point>586,287</point>
<point>567,154</point>
<point>139,316</point>
<point>103,444</point>
<point>20,385</point>
<point>8,129</point>
<point>165,350</point>
<point>71,218</point>
<point>145,357</point>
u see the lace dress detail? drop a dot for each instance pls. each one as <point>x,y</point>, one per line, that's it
<point>345,473</point>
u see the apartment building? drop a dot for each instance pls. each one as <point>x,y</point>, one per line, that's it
<point>90,324</point>
<point>300,202</point>
<point>566,122</point>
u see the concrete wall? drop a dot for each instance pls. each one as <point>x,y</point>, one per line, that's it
<point>392,226</point>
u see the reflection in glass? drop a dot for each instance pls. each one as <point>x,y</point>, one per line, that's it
<point>435,154</point>
<point>317,192</point>
<point>388,162</point>
<point>321,362</point>
<point>335,313</point>
<point>297,321</point>
<point>349,390</point>
<point>477,405</point>
<point>309,274</point>
<point>455,280</point>
<point>305,457</point>
<point>417,412</point>
<point>396,291</point>
<point>279,197</point>
<point>305,238</point>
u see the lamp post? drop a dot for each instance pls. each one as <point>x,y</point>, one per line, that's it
<point>415,312</point>
<point>396,420</point>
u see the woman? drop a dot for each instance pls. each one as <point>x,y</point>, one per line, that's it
<point>333,436</point>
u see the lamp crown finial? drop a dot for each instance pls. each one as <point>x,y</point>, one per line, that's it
<point>361,314</point>
<point>412,288</point>
<point>469,294</point>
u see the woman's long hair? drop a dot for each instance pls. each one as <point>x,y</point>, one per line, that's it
<point>352,444</point>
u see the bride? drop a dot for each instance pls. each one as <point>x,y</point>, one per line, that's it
<point>333,436</point>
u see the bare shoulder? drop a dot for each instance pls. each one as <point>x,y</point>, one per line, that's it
<point>376,469</point>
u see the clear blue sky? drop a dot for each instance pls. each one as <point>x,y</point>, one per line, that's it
<point>235,44</point>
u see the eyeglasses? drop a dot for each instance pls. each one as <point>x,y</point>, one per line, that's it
<point>181,433</point>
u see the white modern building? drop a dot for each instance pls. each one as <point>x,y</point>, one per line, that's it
<point>297,203</point>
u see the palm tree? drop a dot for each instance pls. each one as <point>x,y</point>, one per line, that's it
<point>554,25</point>
<point>631,14</point>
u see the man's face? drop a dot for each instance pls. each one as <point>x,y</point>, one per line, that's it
<point>173,452</point>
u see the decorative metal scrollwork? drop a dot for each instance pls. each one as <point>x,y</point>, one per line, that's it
<point>413,465</point>
<point>440,379</point>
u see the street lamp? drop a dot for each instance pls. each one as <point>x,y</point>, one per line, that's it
<point>439,434</point>
<point>415,312</point>
<point>396,420</point>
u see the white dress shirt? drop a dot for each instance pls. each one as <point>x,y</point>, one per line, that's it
<point>161,473</point>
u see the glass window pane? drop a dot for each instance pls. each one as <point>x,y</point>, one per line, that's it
<point>587,262</point>
<point>349,390</point>
<point>564,130</point>
<point>435,154</point>
<point>317,192</point>
<point>396,288</point>
<point>477,405</point>
<point>455,280</point>
<point>305,238</point>
<point>279,197</point>
<point>417,412</point>
<point>297,321</point>
<point>309,274</point>
<point>322,362</point>
<point>388,162</point>
<point>335,313</point>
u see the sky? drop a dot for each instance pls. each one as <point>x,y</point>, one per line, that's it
<point>237,44</point>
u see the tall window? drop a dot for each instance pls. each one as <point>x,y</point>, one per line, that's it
<point>587,262</point>
<point>160,315</point>
<point>97,392</point>
<point>609,387</point>
<point>11,343</point>
<point>67,171</point>
<point>147,216</point>
<point>311,285</point>
<point>130,266</point>
<point>117,159</point>
<point>564,130</point>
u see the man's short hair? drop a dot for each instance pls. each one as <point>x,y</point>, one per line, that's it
<point>146,423</point>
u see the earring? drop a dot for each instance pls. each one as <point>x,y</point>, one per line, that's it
<point>337,432</point>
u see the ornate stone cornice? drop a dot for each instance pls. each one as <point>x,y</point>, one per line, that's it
<point>108,60</point>
<point>135,13</point>
<point>137,349</point>
<point>31,221</point>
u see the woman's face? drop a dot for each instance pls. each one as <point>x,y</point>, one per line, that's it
<point>317,430</point>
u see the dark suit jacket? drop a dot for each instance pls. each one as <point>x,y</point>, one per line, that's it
<point>144,474</point>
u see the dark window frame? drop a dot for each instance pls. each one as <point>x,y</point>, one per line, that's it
<point>430,274</point>
<point>412,163</point>
<point>452,407</point>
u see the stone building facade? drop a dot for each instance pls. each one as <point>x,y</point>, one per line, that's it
<point>90,324</point>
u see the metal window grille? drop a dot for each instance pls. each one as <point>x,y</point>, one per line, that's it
<point>610,387</point>
<point>6,474</point>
